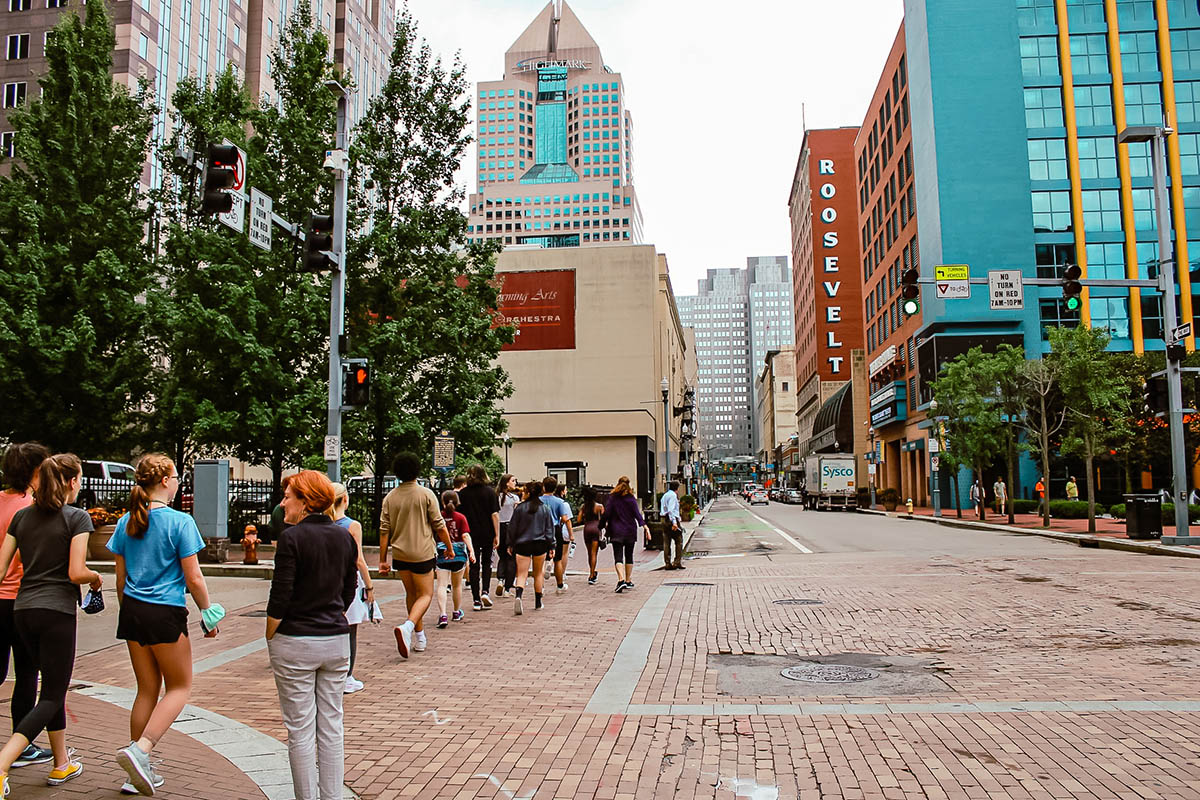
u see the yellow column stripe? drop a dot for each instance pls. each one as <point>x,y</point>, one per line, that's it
<point>1127,223</point>
<point>1176,170</point>
<point>1064,57</point>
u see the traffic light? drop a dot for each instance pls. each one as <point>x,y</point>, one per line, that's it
<point>220,175</point>
<point>356,386</point>
<point>911,291</point>
<point>318,238</point>
<point>1154,395</point>
<point>1072,287</point>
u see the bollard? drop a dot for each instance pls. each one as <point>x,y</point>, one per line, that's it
<point>250,545</point>
<point>908,505</point>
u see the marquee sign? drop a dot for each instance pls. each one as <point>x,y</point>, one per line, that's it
<point>541,306</point>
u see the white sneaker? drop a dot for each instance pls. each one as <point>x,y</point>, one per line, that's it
<point>560,589</point>
<point>352,685</point>
<point>517,610</point>
<point>404,637</point>
<point>419,642</point>
<point>128,788</point>
<point>548,571</point>
<point>485,601</point>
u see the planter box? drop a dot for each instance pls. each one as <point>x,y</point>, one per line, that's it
<point>97,540</point>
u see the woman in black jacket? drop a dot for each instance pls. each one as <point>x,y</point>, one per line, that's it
<point>530,536</point>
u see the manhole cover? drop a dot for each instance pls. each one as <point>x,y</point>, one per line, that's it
<point>685,583</point>
<point>262,613</point>
<point>698,553</point>
<point>797,601</point>
<point>829,673</point>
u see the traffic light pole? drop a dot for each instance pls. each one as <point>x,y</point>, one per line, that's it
<point>333,438</point>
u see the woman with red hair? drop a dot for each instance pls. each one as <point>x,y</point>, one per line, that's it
<point>308,637</point>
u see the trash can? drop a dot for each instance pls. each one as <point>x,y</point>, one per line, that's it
<point>1143,516</point>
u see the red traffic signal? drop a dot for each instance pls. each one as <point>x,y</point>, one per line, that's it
<point>356,389</point>
<point>220,175</point>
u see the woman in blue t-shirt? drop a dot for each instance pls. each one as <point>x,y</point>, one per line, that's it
<point>156,549</point>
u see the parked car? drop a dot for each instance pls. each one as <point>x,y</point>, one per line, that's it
<point>759,496</point>
<point>794,496</point>
<point>105,483</point>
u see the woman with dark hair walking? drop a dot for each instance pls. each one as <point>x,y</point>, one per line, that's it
<point>624,519</point>
<point>590,512</point>
<point>51,536</point>
<point>478,502</point>
<point>156,551</point>
<point>531,535</point>
<point>506,566</point>
<point>21,462</point>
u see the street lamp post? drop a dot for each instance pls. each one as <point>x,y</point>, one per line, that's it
<point>1157,136</point>
<point>507,444</point>
<point>873,468</point>
<point>937,433</point>
<point>666,391</point>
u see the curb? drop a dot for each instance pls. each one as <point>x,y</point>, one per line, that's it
<point>1080,539</point>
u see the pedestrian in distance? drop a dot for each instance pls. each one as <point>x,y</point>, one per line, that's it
<point>308,636</point>
<point>21,462</point>
<point>590,512</point>
<point>363,606</point>
<point>1072,489</point>
<point>977,497</point>
<point>506,565</point>
<point>410,521</point>
<point>1039,490</point>
<point>623,519</point>
<point>1000,492</point>
<point>155,548</point>
<point>51,538</point>
<point>451,562</point>
<point>480,504</point>
<point>563,532</point>
<point>531,537</point>
<point>669,511</point>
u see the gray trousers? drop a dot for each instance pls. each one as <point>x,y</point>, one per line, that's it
<point>310,677</point>
<point>672,537</point>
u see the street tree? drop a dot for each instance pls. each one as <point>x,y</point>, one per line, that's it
<point>1096,398</point>
<point>1004,369</point>
<point>965,393</point>
<point>420,295</point>
<point>73,259</point>
<point>1045,415</point>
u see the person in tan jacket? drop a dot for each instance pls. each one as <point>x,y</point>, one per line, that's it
<point>410,520</point>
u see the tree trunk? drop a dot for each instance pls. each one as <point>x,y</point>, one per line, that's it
<point>1045,441</point>
<point>380,470</point>
<point>1091,486</point>
<point>957,504</point>
<point>982,494</point>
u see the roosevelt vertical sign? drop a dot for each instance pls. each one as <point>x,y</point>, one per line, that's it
<point>541,306</point>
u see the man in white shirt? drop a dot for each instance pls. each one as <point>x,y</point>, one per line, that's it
<point>668,508</point>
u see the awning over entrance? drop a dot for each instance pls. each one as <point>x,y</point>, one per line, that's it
<point>833,429</point>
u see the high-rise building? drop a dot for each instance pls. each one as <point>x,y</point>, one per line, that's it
<point>736,313</point>
<point>554,162</point>
<point>169,40</point>
<point>827,290</point>
<point>888,221</point>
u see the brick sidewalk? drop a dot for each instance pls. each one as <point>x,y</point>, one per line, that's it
<point>1047,673</point>
<point>96,729</point>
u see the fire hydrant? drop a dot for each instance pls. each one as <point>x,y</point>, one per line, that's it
<point>908,506</point>
<point>250,545</point>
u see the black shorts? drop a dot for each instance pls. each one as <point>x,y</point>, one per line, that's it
<point>530,549</point>
<point>560,544</point>
<point>415,567</point>
<point>151,623</point>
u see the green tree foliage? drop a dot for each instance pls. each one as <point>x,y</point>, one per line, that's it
<point>420,296</point>
<point>1045,415</point>
<point>73,262</point>
<point>1004,370</point>
<point>1096,398</point>
<point>965,392</point>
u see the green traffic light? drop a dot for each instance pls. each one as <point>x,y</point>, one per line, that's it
<point>1072,303</point>
<point>911,307</point>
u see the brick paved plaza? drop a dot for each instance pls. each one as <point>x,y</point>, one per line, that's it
<point>1005,666</point>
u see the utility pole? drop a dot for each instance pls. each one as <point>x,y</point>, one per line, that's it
<point>1157,136</point>
<point>337,301</point>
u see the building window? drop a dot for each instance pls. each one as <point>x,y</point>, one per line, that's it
<point>1047,160</point>
<point>1143,104</point>
<point>1089,55</point>
<point>1054,313</point>
<point>1035,13</point>
<point>1185,48</point>
<point>1105,261</point>
<point>1189,153</point>
<point>18,46</point>
<point>1093,106</point>
<point>1187,101</point>
<point>1097,157</point>
<point>56,3</point>
<point>143,46</point>
<point>6,143</point>
<point>1111,313</point>
<point>1085,12</point>
<point>1102,210</point>
<point>1043,108</point>
<point>1139,53</point>
<point>1052,212</point>
<point>23,5</point>
<point>1130,11</point>
<point>1039,56</point>
<point>14,94</point>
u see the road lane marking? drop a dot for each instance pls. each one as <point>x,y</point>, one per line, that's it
<point>790,540</point>
<point>616,688</point>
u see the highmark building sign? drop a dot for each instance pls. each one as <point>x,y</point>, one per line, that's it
<point>534,64</point>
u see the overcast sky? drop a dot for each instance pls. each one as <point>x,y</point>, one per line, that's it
<point>716,90</point>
